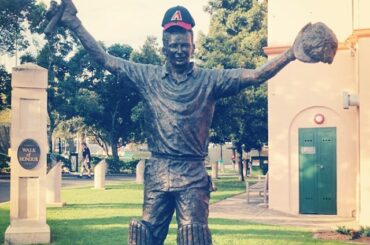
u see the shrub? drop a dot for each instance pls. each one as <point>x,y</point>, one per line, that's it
<point>365,231</point>
<point>55,157</point>
<point>130,166</point>
<point>119,166</point>
<point>114,165</point>
<point>354,234</point>
<point>95,160</point>
<point>4,163</point>
<point>342,230</point>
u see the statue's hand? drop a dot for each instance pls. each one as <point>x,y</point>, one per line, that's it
<point>315,43</point>
<point>64,14</point>
<point>69,17</point>
<point>53,10</point>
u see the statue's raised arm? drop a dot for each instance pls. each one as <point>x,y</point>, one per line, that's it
<point>66,14</point>
<point>314,43</point>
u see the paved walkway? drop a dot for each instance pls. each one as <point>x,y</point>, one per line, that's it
<point>237,208</point>
<point>67,181</point>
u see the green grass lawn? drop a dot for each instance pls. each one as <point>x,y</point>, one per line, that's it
<point>102,217</point>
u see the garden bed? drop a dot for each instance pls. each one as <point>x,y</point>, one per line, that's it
<point>333,235</point>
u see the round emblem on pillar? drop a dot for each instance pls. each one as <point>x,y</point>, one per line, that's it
<point>28,154</point>
<point>319,119</point>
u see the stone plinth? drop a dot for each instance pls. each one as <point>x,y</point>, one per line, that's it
<point>28,157</point>
<point>140,171</point>
<point>214,170</point>
<point>54,185</point>
<point>27,232</point>
<point>99,175</point>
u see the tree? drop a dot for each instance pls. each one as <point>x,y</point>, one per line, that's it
<point>149,53</point>
<point>53,56</point>
<point>103,101</point>
<point>5,90</point>
<point>236,38</point>
<point>16,18</point>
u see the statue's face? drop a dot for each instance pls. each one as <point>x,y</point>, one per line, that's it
<point>179,49</point>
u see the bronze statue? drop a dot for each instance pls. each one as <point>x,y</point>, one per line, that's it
<point>180,100</point>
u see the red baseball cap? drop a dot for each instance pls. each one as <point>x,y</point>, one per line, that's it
<point>178,16</point>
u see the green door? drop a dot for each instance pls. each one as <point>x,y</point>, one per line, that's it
<point>317,171</point>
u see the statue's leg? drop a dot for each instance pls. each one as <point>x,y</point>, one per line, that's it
<point>139,234</point>
<point>158,210</point>
<point>192,209</point>
<point>194,234</point>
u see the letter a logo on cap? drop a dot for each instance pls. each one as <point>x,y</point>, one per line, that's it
<point>176,16</point>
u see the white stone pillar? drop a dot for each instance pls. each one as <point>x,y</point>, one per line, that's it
<point>214,170</point>
<point>364,84</point>
<point>99,175</point>
<point>53,186</point>
<point>28,158</point>
<point>140,171</point>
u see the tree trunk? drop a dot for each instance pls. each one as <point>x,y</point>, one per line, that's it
<point>221,155</point>
<point>59,145</point>
<point>50,133</point>
<point>240,161</point>
<point>4,138</point>
<point>113,143</point>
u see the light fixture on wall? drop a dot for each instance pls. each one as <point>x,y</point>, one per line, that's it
<point>350,100</point>
<point>319,118</point>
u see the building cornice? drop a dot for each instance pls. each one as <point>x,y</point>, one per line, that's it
<point>352,40</point>
<point>349,43</point>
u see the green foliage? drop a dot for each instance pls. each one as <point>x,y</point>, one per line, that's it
<point>352,233</point>
<point>365,231</point>
<point>149,53</point>
<point>4,135</point>
<point>5,117</point>
<point>16,18</point>
<point>116,166</point>
<point>103,101</point>
<point>54,57</point>
<point>5,88</point>
<point>4,163</point>
<point>343,230</point>
<point>238,32</point>
<point>95,160</point>
<point>54,158</point>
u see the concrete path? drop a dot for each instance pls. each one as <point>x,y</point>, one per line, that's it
<point>237,208</point>
<point>4,190</point>
<point>69,181</point>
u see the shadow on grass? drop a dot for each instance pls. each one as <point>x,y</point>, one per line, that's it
<point>85,206</point>
<point>253,233</point>
<point>125,186</point>
<point>4,220</point>
<point>114,230</point>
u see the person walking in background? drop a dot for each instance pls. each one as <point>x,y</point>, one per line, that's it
<point>85,162</point>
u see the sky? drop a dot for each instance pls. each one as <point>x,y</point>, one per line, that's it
<point>131,21</point>
<point>128,21</point>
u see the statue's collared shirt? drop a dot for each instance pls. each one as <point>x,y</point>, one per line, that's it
<point>178,116</point>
